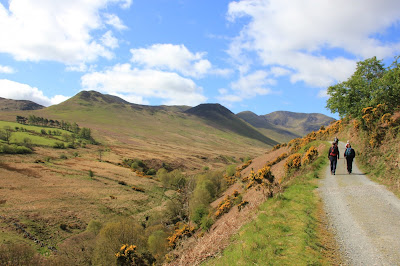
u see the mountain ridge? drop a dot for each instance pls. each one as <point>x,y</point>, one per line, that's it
<point>15,105</point>
<point>291,124</point>
<point>221,117</point>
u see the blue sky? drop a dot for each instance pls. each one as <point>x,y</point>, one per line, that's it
<point>256,55</point>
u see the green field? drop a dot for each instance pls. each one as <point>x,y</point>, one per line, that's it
<point>39,140</point>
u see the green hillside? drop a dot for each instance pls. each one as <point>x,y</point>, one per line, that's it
<point>221,118</point>
<point>298,123</point>
<point>267,128</point>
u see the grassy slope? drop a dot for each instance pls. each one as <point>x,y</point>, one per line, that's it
<point>382,163</point>
<point>298,123</point>
<point>286,230</point>
<point>264,126</point>
<point>18,137</point>
<point>220,117</point>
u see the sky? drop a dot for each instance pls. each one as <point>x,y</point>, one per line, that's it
<point>248,55</point>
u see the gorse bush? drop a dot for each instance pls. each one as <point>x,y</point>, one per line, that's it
<point>181,231</point>
<point>227,203</point>
<point>293,162</point>
<point>310,155</point>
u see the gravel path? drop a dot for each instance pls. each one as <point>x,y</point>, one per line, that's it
<point>364,216</point>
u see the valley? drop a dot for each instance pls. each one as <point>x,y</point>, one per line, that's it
<point>68,191</point>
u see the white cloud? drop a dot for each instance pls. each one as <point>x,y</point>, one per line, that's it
<point>323,94</point>
<point>125,4</point>
<point>109,40</point>
<point>6,70</point>
<point>55,30</point>
<point>140,85</point>
<point>18,91</point>
<point>296,34</point>
<point>175,58</point>
<point>131,98</point>
<point>248,86</point>
<point>280,71</point>
<point>115,21</point>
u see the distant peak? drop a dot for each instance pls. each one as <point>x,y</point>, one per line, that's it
<point>209,107</point>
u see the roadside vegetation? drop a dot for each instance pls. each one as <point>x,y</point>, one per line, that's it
<point>147,213</point>
<point>369,105</point>
<point>285,231</point>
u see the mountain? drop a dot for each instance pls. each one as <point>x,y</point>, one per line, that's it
<point>220,117</point>
<point>182,136</point>
<point>298,123</point>
<point>85,99</point>
<point>283,126</point>
<point>15,105</point>
<point>267,128</point>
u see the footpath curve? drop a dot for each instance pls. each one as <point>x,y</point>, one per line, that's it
<point>364,216</point>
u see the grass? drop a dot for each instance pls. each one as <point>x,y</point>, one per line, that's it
<point>41,140</point>
<point>285,232</point>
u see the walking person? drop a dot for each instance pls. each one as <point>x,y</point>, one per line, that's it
<point>333,155</point>
<point>336,140</point>
<point>349,154</point>
<point>347,144</point>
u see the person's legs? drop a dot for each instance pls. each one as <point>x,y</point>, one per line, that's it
<point>350,165</point>
<point>331,160</point>
<point>334,163</point>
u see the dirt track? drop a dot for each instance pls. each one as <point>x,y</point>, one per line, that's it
<point>364,216</point>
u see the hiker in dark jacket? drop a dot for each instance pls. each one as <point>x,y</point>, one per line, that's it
<point>336,140</point>
<point>349,154</point>
<point>333,155</point>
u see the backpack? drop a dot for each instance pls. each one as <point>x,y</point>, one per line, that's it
<point>350,153</point>
<point>333,152</point>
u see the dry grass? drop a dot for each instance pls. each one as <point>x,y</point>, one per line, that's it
<point>196,250</point>
<point>42,196</point>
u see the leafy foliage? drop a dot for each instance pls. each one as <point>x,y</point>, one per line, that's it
<point>370,85</point>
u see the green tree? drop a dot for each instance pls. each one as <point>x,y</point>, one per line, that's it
<point>6,134</point>
<point>359,91</point>
<point>158,244</point>
<point>389,90</point>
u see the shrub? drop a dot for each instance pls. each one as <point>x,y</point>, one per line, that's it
<point>151,172</point>
<point>94,226</point>
<point>71,145</point>
<point>112,235</point>
<point>206,223</point>
<point>310,156</point>
<point>17,254</point>
<point>158,244</point>
<point>228,202</point>
<point>59,145</point>
<point>63,156</point>
<point>91,174</point>
<point>198,214</point>
<point>230,170</point>
<point>14,149</point>
<point>293,162</point>
<point>27,142</point>
<point>182,230</point>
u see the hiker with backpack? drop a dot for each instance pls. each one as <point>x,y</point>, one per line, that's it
<point>333,155</point>
<point>349,154</point>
